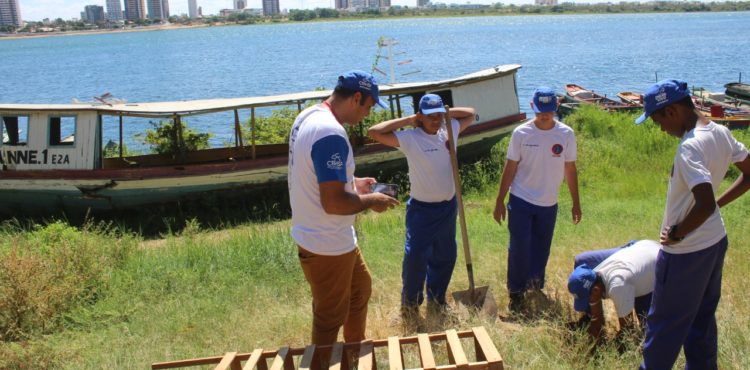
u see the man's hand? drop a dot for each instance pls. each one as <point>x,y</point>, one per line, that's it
<point>664,238</point>
<point>362,184</point>
<point>380,202</point>
<point>499,212</point>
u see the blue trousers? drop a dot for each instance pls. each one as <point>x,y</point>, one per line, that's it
<point>429,250</point>
<point>682,315</point>
<point>594,258</point>
<point>531,228</point>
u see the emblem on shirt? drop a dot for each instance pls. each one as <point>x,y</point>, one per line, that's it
<point>335,162</point>
<point>557,149</point>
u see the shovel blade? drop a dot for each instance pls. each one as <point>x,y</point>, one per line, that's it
<point>482,300</point>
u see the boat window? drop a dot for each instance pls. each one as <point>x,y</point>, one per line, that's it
<point>62,130</point>
<point>15,130</point>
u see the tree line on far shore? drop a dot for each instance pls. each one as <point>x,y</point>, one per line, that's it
<point>434,10</point>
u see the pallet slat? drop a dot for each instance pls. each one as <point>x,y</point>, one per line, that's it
<point>336,354</point>
<point>366,356</point>
<point>486,349</point>
<point>395,356</point>
<point>425,352</point>
<point>281,358</point>
<point>307,358</point>
<point>254,360</point>
<point>456,353</point>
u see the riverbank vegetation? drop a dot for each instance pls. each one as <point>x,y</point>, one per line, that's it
<point>101,296</point>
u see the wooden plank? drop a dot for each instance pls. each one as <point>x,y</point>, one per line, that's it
<point>307,358</point>
<point>456,353</point>
<point>280,359</point>
<point>254,360</point>
<point>226,361</point>
<point>425,352</point>
<point>366,356</point>
<point>486,349</point>
<point>336,352</point>
<point>395,356</point>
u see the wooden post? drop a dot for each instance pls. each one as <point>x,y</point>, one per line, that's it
<point>180,137</point>
<point>252,132</point>
<point>237,129</point>
<point>390,104</point>
<point>121,136</point>
<point>398,107</point>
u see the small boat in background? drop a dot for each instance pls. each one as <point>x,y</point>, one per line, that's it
<point>630,97</point>
<point>578,94</point>
<point>738,90</point>
<point>722,99</point>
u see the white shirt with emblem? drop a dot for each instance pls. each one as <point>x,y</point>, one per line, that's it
<point>313,228</point>
<point>704,156</point>
<point>541,156</point>
<point>430,172</point>
<point>629,273</point>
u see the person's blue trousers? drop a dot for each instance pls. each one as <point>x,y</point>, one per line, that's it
<point>531,228</point>
<point>594,258</point>
<point>682,315</point>
<point>429,250</point>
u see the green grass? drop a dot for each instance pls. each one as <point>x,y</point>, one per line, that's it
<point>206,292</point>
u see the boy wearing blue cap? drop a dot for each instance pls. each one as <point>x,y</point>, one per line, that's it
<point>693,237</point>
<point>541,153</point>
<point>625,275</point>
<point>325,196</point>
<point>430,246</point>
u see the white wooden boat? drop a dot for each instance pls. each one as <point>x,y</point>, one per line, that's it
<point>43,170</point>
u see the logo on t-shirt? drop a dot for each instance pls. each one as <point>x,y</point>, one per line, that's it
<point>557,149</point>
<point>335,162</point>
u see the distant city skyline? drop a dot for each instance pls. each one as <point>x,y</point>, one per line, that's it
<point>36,10</point>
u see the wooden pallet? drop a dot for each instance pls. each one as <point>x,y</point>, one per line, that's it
<point>363,353</point>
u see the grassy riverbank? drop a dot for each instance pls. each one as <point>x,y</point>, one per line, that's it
<point>99,298</point>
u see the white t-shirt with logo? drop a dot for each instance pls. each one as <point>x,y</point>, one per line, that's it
<point>430,172</point>
<point>629,273</point>
<point>704,156</point>
<point>541,156</point>
<point>319,151</point>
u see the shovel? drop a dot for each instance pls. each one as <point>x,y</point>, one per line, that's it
<point>477,297</point>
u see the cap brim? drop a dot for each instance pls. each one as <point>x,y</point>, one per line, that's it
<point>544,109</point>
<point>640,119</point>
<point>581,304</point>
<point>434,110</point>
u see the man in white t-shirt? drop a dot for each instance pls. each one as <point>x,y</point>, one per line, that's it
<point>626,276</point>
<point>541,153</point>
<point>325,196</point>
<point>693,237</point>
<point>430,246</point>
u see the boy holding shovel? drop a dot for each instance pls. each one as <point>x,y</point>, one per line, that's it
<point>430,246</point>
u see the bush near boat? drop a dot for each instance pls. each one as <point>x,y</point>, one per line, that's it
<point>201,292</point>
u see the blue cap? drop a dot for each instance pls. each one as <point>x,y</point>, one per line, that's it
<point>544,100</point>
<point>580,283</point>
<point>363,82</point>
<point>661,95</point>
<point>431,103</point>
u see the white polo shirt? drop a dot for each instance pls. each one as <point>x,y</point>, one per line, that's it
<point>430,172</point>
<point>319,151</point>
<point>704,156</point>
<point>629,273</point>
<point>541,156</point>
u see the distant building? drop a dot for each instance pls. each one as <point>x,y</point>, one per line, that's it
<point>135,10</point>
<point>545,2</point>
<point>342,4</point>
<point>271,7</point>
<point>93,14</point>
<point>193,9</point>
<point>158,9</point>
<point>240,4</point>
<point>200,11</point>
<point>114,10</point>
<point>385,3</point>
<point>10,13</point>
<point>358,4</point>
<point>422,3</point>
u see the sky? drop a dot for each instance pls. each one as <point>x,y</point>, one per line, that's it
<point>36,10</point>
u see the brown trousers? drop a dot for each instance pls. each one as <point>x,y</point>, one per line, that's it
<point>341,287</point>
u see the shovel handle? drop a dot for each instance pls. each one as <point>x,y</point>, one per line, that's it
<point>459,199</point>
